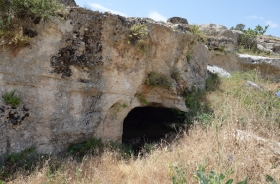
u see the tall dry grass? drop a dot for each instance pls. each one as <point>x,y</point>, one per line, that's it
<point>242,136</point>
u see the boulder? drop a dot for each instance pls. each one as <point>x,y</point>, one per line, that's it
<point>217,70</point>
<point>178,20</point>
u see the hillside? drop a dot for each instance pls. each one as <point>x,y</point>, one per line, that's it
<point>91,97</point>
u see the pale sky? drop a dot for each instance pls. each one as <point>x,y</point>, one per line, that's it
<point>223,12</point>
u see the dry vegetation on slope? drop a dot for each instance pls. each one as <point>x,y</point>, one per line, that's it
<point>241,135</point>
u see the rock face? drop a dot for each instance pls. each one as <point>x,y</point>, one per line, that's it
<point>178,20</point>
<point>220,38</point>
<point>269,44</point>
<point>80,78</point>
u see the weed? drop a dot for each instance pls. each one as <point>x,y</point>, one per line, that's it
<point>175,74</point>
<point>200,36</point>
<point>124,105</point>
<point>138,34</point>
<point>270,180</point>
<point>158,80</point>
<point>142,98</point>
<point>215,178</point>
<point>11,98</point>
<point>177,177</point>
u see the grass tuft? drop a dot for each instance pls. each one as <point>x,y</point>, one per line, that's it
<point>10,98</point>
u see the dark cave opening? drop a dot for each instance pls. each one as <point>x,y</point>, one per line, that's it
<point>148,125</point>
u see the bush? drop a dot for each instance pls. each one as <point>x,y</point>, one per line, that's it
<point>200,36</point>
<point>26,160</point>
<point>92,145</point>
<point>158,80</point>
<point>11,98</point>
<point>138,34</point>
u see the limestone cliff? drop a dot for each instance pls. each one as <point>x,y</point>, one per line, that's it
<point>80,77</point>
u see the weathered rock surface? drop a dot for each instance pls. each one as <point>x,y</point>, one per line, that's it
<point>269,43</point>
<point>220,38</point>
<point>80,78</point>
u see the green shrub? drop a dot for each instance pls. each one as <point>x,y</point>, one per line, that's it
<point>92,145</point>
<point>26,160</point>
<point>11,98</point>
<point>158,80</point>
<point>200,36</point>
<point>138,34</point>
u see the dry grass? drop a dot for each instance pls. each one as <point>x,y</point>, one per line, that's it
<point>215,147</point>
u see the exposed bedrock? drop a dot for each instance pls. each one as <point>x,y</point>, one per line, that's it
<point>80,78</point>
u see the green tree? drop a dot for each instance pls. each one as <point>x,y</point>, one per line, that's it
<point>239,27</point>
<point>248,39</point>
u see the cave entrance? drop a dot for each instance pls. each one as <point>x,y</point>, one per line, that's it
<point>148,125</point>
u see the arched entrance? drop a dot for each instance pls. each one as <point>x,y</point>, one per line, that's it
<point>148,125</point>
